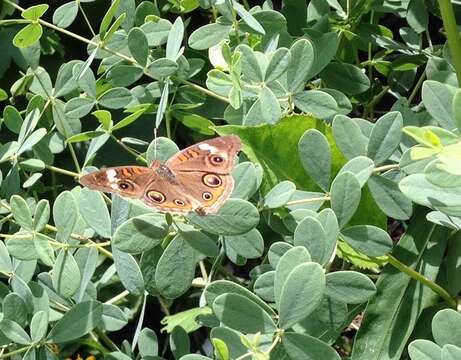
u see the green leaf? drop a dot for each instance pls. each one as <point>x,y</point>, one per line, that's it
<point>28,35</point>
<point>456,109</point>
<point>233,218</point>
<point>85,136</point>
<point>279,195</point>
<point>385,137</point>
<point>21,212</point>
<point>451,352</point>
<point>39,326</point>
<point>161,149</point>
<point>15,309</point>
<point>389,198</point>
<point>34,13</point>
<point>301,64</point>
<point>220,349</point>
<point>86,259</point>
<point>381,332</point>
<point>31,140</point>
<point>162,68</point>
<point>250,64</point>
<point>278,64</point>
<point>362,168</point>
<point>141,233</point>
<point>315,102</point>
<point>65,15</point>
<point>301,346</point>
<point>349,138</point>
<point>349,286</point>
<point>283,163</point>
<point>94,210</point>
<point>310,234</point>
<point>438,100</point>
<point>175,269</point>
<point>208,35</point>
<point>345,197</point>
<point>219,287</point>
<point>315,156</point>
<point>110,14</point>
<point>66,274</point>
<point>264,286</point>
<point>65,213</point>
<point>179,342</point>
<point>43,249</point>
<point>265,109</point>
<point>287,262</point>
<point>248,18</point>
<point>113,318</point>
<point>148,343</point>
<point>247,177</point>
<point>345,77</point>
<point>241,314</point>
<point>424,350</point>
<point>417,15</point>
<point>22,247</point>
<point>369,240</point>
<point>5,261</point>
<point>12,118</point>
<point>14,332</point>
<point>232,340</point>
<point>138,45</point>
<point>123,75</point>
<point>79,107</point>
<point>78,321</point>
<point>249,245</point>
<point>115,98</point>
<point>175,37</point>
<point>186,319</point>
<point>421,191</point>
<point>295,12</point>
<point>445,327</point>
<point>32,165</point>
<point>128,271</point>
<point>301,294</point>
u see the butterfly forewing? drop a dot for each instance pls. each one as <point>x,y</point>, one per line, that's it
<point>128,181</point>
<point>215,155</point>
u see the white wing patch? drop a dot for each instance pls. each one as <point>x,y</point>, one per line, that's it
<point>208,147</point>
<point>111,175</point>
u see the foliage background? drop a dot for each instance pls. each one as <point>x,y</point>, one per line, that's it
<point>341,237</point>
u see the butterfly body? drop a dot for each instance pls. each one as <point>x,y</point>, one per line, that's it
<point>196,179</point>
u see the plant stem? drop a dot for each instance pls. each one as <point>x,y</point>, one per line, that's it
<point>454,43</point>
<point>417,87</point>
<point>424,280</point>
<point>118,297</point>
<point>206,91</point>
<point>128,149</point>
<point>62,171</point>
<point>15,352</point>
<point>305,201</point>
<point>383,168</point>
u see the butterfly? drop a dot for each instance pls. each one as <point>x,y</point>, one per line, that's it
<point>195,179</point>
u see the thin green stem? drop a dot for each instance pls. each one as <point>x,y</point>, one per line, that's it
<point>102,336</point>
<point>417,87</point>
<point>62,171</point>
<point>15,352</point>
<point>128,149</point>
<point>306,201</point>
<point>383,168</point>
<point>86,18</point>
<point>451,29</point>
<point>206,91</point>
<point>118,297</point>
<point>424,280</point>
<point>74,158</point>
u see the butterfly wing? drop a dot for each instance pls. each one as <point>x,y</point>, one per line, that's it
<point>128,181</point>
<point>206,191</point>
<point>166,194</point>
<point>215,156</point>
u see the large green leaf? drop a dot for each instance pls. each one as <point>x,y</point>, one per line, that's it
<point>391,315</point>
<point>282,161</point>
